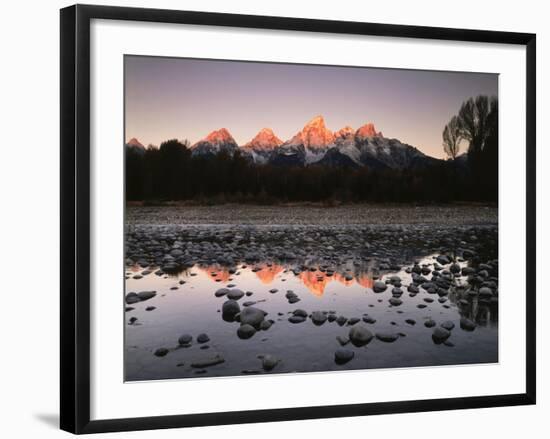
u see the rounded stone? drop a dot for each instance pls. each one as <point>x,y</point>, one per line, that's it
<point>342,356</point>
<point>360,335</point>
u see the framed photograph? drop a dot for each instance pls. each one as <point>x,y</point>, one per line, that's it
<point>268,218</point>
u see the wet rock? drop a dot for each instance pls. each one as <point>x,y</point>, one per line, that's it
<point>129,308</point>
<point>397,292</point>
<point>343,356</point>
<point>429,323</point>
<point>369,319</point>
<point>439,335</point>
<point>246,331</point>
<point>146,295</point>
<point>342,340</point>
<point>395,280</point>
<point>467,324</point>
<point>332,317</point>
<point>360,335</point>
<point>132,298</point>
<point>443,259</point>
<point>268,362</point>
<point>341,320</point>
<point>203,338</point>
<point>318,317</point>
<point>161,352</point>
<point>266,324</point>
<point>221,292</point>
<point>132,320</point>
<point>300,312</point>
<point>455,268</point>
<point>230,308</point>
<point>394,301</point>
<point>448,325</point>
<point>353,320</point>
<point>207,362</point>
<point>296,319</point>
<point>185,339</point>
<point>379,286</point>
<point>387,337</point>
<point>410,321</point>
<point>252,316</point>
<point>273,290</point>
<point>413,289</point>
<point>150,308</point>
<point>235,294</point>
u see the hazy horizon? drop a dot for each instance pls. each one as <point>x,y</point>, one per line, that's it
<point>185,98</point>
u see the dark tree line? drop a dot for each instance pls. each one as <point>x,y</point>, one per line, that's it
<point>171,173</point>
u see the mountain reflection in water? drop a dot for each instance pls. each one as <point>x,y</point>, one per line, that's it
<point>316,281</point>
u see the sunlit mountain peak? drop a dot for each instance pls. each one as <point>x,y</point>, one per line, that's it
<point>264,140</point>
<point>368,130</point>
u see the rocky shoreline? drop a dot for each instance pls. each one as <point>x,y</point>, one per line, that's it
<point>441,281</point>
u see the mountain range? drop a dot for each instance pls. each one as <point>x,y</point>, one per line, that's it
<point>316,144</point>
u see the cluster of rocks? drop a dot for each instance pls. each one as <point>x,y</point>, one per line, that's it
<point>251,319</point>
<point>170,248</point>
<point>464,273</point>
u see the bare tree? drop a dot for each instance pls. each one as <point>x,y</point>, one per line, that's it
<point>452,137</point>
<point>476,119</point>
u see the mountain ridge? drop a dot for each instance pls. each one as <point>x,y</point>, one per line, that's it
<point>316,144</point>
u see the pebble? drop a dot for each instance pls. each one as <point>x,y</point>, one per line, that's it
<point>467,324</point>
<point>439,335</point>
<point>185,339</point>
<point>343,356</point>
<point>207,362</point>
<point>203,338</point>
<point>246,331</point>
<point>387,337</point>
<point>360,335</point>
<point>161,352</point>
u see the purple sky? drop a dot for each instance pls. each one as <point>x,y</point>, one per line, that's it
<point>182,98</point>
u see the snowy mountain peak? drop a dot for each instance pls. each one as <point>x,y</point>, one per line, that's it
<point>314,135</point>
<point>368,130</point>
<point>264,140</point>
<point>344,132</point>
<point>219,136</point>
<point>217,141</point>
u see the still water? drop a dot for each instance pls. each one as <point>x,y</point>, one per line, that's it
<point>185,303</point>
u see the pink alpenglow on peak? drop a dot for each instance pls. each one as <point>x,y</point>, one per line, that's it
<point>314,134</point>
<point>219,136</point>
<point>264,140</point>
<point>217,141</point>
<point>134,142</point>
<point>368,130</point>
<point>344,132</point>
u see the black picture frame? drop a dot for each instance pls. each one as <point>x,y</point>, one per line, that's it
<point>75,217</point>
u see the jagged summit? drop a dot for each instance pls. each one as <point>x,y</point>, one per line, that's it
<point>265,140</point>
<point>344,132</point>
<point>368,130</point>
<point>313,135</point>
<point>316,145</point>
<point>219,136</point>
<point>216,141</point>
